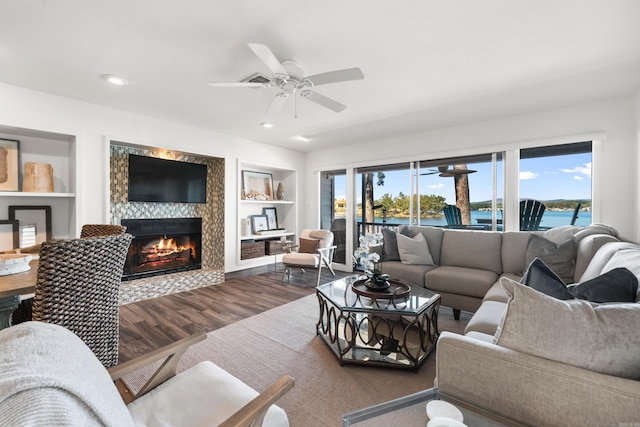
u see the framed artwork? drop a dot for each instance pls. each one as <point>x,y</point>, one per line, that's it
<point>272,217</point>
<point>257,186</point>
<point>38,216</point>
<point>9,164</point>
<point>8,235</point>
<point>259,223</point>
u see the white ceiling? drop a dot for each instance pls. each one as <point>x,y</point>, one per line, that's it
<point>427,63</point>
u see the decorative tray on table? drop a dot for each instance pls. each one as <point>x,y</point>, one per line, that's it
<point>395,290</point>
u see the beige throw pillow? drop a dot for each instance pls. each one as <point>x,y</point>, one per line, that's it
<point>414,250</point>
<point>603,338</point>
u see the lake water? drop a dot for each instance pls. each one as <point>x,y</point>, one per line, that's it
<point>549,219</point>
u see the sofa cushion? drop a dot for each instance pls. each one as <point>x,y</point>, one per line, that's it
<point>606,253</point>
<point>541,278</point>
<point>587,248</point>
<point>559,257</point>
<point>390,243</point>
<point>603,338</point>
<point>514,251</point>
<point>472,249</point>
<point>617,285</point>
<point>413,274</point>
<point>487,318</point>
<point>414,250</point>
<point>460,280</point>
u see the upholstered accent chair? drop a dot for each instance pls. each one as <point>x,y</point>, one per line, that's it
<point>315,249</point>
<point>49,376</point>
<point>78,287</point>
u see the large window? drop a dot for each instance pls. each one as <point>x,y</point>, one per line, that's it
<point>560,177</point>
<point>333,210</point>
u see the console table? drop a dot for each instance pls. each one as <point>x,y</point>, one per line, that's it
<point>11,287</point>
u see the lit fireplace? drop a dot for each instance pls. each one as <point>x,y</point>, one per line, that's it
<point>163,246</point>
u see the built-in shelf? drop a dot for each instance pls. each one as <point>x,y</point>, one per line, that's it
<point>286,211</point>
<point>268,202</point>
<point>267,236</point>
<point>32,194</point>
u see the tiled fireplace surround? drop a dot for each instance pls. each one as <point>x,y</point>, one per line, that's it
<point>212,214</point>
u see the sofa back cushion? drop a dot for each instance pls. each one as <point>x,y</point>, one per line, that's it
<point>433,236</point>
<point>588,246</point>
<point>514,251</point>
<point>604,255</point>
<point>472,249</point>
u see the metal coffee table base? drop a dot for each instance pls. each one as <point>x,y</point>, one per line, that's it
<point>391,335</point>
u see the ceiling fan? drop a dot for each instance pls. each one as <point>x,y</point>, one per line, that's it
<point>290,78</point>
<point>444,171</point>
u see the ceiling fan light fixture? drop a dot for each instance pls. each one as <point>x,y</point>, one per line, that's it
<point>114,80</point>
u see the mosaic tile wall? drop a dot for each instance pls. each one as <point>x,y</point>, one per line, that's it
<point>212,213</point>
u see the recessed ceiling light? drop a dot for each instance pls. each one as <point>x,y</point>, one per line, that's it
<point>266,125</point>
<point>115,80</point>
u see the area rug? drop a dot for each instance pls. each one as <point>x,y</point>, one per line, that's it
<point>260,349</point>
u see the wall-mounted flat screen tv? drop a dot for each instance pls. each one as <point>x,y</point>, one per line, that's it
<point>159,180</point>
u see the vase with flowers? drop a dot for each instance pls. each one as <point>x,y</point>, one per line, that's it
<point>368,261</point>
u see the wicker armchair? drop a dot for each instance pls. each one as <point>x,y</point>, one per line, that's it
<point>78,287</point>
<point>99,230</point>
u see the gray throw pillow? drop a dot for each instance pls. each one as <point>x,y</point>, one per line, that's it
<point>414,250</point>
<point>617,285</point>
<point>603,338</point>
<point>541,278</point>
<point>390,243</point>
<point>559,257</point>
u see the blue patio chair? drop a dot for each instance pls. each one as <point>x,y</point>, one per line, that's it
<point>575,214</point>
<point>453,216</point>
<point>531,212</point>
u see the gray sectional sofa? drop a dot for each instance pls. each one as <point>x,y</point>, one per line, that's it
<point>526,355</point>
<point>466,264</point>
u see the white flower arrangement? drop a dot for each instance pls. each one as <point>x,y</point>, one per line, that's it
<point>362,256</point>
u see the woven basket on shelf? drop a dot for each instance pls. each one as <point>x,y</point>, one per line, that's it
<point>251,249</point>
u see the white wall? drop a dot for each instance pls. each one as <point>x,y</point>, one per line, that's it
<point>94,125</point>
<point>616,181</point>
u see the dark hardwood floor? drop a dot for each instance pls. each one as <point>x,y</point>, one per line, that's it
<point>151,324</point>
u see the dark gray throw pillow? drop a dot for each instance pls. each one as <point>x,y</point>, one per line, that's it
<point>390,243</point>
<point>559,257</point>
<point>617,285</point>
<point>541,278</point>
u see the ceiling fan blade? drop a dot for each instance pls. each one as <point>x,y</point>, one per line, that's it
<point>323,100</point>
<point>238,84</point>
<point>270,60</point>
<point>276,104</point>
<point>336,76</point>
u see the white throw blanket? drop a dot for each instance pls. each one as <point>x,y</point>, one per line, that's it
<point>48,376</point>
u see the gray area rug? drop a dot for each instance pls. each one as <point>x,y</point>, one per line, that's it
<point>260,349</point>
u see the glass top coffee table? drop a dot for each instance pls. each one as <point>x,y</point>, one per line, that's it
<point>410,411</point>
<point>396,328</point>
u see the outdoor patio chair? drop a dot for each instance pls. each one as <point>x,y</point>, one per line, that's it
<point>531,212</point>
<point>574,217</point>
<point>453,216</point>
<point>315,250</point>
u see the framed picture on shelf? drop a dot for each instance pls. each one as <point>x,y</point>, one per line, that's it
<point>9,164</point>
<point>257,186</point>
<point>272,217</point>
<point>37,218</point>
<point>8,235</point>
<point>259,223</point>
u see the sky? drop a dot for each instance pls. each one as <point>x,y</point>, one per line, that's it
<point>543,178</point>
